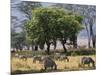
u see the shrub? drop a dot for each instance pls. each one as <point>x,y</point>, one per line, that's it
<point>74,53</point>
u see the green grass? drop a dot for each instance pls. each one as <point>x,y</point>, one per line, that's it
<point>72,52</point>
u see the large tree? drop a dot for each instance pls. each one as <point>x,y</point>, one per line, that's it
<point>89,13</point>
<point>17,40</point>
<point>50,24</point>
<point>26,7</point>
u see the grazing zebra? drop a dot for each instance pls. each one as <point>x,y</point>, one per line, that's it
<point>60,57</point>
<point>49,63</point>
<point>57,56</point>
<point>37,58</point>
<point>87,61</point>
<point>23,57</point>
<point>64,57</point>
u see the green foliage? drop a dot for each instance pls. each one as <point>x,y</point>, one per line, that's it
<point>17,40</point>
<point>73,53</point>
<point>50,24</point>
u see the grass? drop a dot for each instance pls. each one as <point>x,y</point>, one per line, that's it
<point>19,66</point>
<point>71,52</point>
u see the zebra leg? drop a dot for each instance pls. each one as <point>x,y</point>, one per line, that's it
<point>89,65</point>
<point>45,67</point>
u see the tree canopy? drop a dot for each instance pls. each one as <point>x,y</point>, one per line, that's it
<point>50,24</point>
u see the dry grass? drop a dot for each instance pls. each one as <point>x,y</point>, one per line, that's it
<point>21,65</point>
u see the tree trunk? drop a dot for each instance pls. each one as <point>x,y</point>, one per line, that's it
<point>88,35</point>
<point>55,45</point>
<point>41,46</point>
<point>65,50</point>
<point>32,47</point>
<point>48,48</point>
<point>16,48</point>
<point>75,41</point>
<point>94,44</point>
<point>89,42</point>
<point>63,44</point>
<point>91,33</point>
<point>92,36</point>
<point>28,47</point>
<point>36,47</point>
<point>20,47</point>
<point>94,41</point>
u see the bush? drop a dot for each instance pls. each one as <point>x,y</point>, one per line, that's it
<point>73,53</point>
<point>82,51</point>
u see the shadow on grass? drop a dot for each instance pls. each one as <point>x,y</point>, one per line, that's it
<point>48,71</point>
<point>32,71</point>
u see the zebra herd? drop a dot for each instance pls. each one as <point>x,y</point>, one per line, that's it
<point>49,61</point>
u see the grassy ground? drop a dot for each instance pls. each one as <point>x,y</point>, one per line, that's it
<point>21,66</point>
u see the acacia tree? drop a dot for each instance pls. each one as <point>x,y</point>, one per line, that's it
<point>50,24</point>
<point>89,13</point>
<point>43,26</point>
<point>73,38</point>
<point>17,40</point>
<point>26,7</point>
<point>70,28</point>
